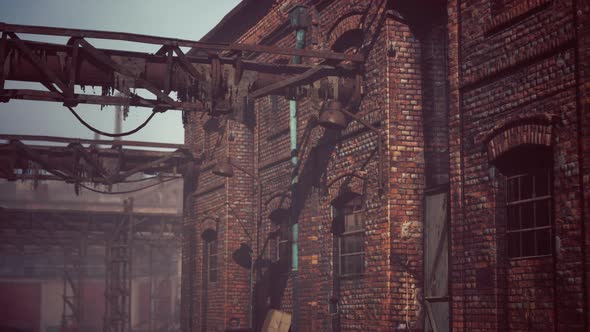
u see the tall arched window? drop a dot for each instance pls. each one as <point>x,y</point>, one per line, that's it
<point>211,260</point>
<point>528,200</point>
<point>210,255</point>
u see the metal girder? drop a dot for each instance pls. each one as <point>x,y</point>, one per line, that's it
<point>75,163</point>
<point>118,260</point>
<point>106,60</point>
<point>27,94</point>
<point>209,83</point>
<point>40,30</point>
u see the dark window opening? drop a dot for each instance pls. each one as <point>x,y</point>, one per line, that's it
<point>528,201</point>
<point>284,243</point>
<point>212,261</point>
<point>350,228</point>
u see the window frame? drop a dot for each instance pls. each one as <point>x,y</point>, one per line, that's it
<point>519,202</point>
<point>212,245</point>
<point>284,238</point>
<point>354,207</point>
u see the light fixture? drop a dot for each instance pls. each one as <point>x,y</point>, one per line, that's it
<point>332,117</point>
<point>224,168</point>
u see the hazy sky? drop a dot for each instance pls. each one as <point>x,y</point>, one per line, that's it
<point>187,19</point>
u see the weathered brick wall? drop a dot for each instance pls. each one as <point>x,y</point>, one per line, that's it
<point>387,296</point>
<point>519,66</point>
<point>582,10</point>
<point>515,71</point>
<point>406,175</point>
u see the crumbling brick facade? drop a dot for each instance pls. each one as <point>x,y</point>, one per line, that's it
<point>454,88</point>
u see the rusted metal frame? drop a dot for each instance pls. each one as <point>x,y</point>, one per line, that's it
<point>106,60</point>
<point>91,161</point>
<point>294,80</point>
<point>46,164</point>
<point>55,96</point>
<point>169,58</point>
<point>118,274</point>
<point>158,57</point>
<point>91,141</point>
<point>38,63</point>
<point>297,52</point>
<point>40,30</point>
<point>379,144</point>
<point>185,63</point>
<point>137,169</point>
<point>69,98</point>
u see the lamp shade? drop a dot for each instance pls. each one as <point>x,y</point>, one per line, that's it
<point>224,168</point>
<point>332,117</point>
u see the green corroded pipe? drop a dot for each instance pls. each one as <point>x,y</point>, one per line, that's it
<point>299,44</point>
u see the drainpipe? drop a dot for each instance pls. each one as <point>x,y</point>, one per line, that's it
<point>299,21</point>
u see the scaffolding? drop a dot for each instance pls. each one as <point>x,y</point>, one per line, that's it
<point>73,285</point>
<point>118,260</point>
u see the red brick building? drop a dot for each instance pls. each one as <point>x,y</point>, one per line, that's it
<point>474,215</point>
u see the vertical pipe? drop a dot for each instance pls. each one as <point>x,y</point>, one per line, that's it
<point>299,44</point>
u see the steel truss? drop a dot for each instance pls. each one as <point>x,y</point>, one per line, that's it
<point>118,260</point>
<point>75,163</point>
<point>73,286</point>
<point>214,77</point>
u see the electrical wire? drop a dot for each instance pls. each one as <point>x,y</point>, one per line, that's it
<point>149,178</point>
<point>127,191</point>
<point>98,131</point>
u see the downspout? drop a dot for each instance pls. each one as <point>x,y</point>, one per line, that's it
<point>299,21</point>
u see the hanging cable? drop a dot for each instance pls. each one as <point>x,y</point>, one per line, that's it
<point>127,191</point>
<point>149,178</point>
<point>87,125</point>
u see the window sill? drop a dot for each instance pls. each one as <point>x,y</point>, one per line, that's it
<point>352,276</point>
<point>529,257</point>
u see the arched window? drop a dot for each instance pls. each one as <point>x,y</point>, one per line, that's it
<point>211,260</point>
<point>210,256</point>
<point>528,200</point>
<point>349,228</point>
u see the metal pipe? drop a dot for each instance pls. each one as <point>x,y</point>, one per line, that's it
<point>297,17</point>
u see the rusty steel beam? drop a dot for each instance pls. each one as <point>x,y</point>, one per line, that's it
<point>69,140</point>
<point>201,79</point>
<point>76,164</point>
<point>36,95</point>
<point>139,38</point>
<point>293,80</point>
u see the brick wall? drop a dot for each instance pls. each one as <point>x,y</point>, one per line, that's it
<point>451,92</point>
<point>508,75</point>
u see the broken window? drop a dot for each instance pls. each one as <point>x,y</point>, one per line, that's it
<point>212,266</point>
<point>351,237</point>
